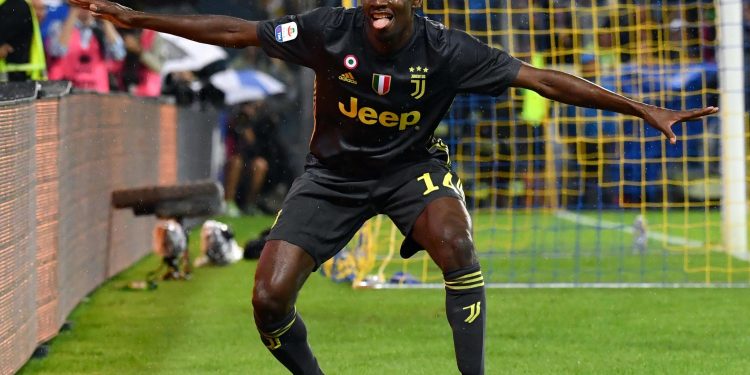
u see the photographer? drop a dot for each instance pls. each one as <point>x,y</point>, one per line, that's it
<point>257,160</point>
<point>81,50</point>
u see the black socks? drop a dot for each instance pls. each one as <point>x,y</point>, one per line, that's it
<point>465,309</point>
<point>464,306</point>
<point>287,341</point>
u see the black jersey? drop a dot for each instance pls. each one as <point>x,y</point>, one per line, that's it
<point>374,111</point>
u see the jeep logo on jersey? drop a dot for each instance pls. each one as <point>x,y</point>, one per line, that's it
<point>286,32</point>
<point>381,83</point>
<point>369,116</point>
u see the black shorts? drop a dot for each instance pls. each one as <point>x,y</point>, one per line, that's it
<point>323,210</point>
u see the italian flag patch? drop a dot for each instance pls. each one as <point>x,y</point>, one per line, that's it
<point>381,83</point>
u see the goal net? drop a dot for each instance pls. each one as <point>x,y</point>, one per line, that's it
<point>568,196</point>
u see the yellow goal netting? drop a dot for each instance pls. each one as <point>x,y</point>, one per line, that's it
<point>561,195</point>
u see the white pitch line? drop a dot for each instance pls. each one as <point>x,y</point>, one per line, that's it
<point>672,240</point>
<point>604,224</point>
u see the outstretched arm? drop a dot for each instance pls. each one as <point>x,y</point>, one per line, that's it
<point>219,30</point>
<point>569,89</point>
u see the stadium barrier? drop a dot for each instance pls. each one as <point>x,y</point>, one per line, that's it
<point>61,156</point>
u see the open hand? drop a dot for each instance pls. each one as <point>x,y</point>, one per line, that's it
<point>115,13</point>
<point>662,119</point>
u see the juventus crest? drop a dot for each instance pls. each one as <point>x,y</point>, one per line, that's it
<point>418,78</point>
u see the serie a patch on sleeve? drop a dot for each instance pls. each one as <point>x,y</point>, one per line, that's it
<point>286,32</point>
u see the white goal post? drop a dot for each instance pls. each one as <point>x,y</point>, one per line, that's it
<point>733,154</point>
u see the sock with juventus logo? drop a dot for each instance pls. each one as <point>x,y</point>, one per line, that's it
<point>287,341</point>
<point>465,309</point>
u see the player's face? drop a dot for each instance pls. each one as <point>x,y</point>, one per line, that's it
<point>390,21</point>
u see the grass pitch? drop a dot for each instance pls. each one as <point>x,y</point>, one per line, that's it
<point>542,246</point>
<point>205,326</point>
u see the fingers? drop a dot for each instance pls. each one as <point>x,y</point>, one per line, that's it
<point>670,134</point>
<point>101,9</point>
<point>689,115</point>
<point>91,5</point>
<point>697,113</point>
<point>81,4</point>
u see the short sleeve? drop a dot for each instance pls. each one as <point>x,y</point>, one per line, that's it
<point>297,39</point>
<point>478,68</point>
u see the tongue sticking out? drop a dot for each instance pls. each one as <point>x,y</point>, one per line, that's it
<point>381,23</point>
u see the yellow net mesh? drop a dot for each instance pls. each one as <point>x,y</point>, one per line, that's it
<point>560,194</point>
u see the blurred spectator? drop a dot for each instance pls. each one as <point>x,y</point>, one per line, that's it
<point>82,50</point>
<point>289,75</point>
<point>607,51</point>
<point>139,72</point>
<point>183,86</point>
<point>646,45</point>
<point>605,54</point>
<point>21,49</point>
<point>251,58</point>
<point>708,42</point>
<point>187,71</point>
<point>208,94</point>
<point>194,89</point>
<point>254,58</point>
<point>257,162</point>
<point>589,67</point>
<point>40,10</point>
<point>54,11</point>
<point>676,43</point>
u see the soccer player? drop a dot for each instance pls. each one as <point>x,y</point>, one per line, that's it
<point>385,77</point>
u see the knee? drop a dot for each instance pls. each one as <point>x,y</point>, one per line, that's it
<point>461,244</point>
<point>270,301</point>
<point>260,165</point>
<point>454,237</point>
<point>456,249</point>
<point>234,162</point>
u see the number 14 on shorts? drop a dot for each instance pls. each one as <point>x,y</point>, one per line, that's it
<point>447,182</point>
